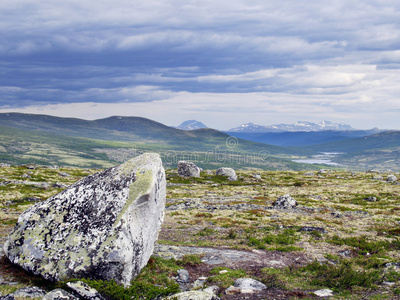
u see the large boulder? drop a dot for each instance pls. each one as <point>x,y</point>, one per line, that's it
<point>229,172</point>
<point>102,227</point>
<point>391,178</point>
<point>188,169</point>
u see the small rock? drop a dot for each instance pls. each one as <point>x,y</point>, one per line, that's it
<point>322,171</point>
<point>310,174</point>
<point>183,276</point>
<point>249,285</point>
<point>285,202</point>
<point>370,199</point>
<point>199,283</point>
<point>214,289</point>
<point>223,271</point>
<point>59,294</point>
<point>59,185</point>
<point>3,165</point>
<point>391,178</point>
<point>193,295</point>
<point>63,174</point>
<point>29,292</point>
<point>324,293</point>
<point>344,253</point>
<point>85,291</point>
<point>209,172</point>
<point>26,175</point>
<point>188,169</point>
<point>229,172</point>
<point>389,283</point>
<point>232,290</point>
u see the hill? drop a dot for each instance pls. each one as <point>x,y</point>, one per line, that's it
<point>377,151</point>
<point>300,138</point>
<point>68,141</point>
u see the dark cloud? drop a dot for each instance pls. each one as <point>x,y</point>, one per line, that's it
<point>55,52</point>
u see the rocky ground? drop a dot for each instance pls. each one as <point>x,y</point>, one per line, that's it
<point>341,234</point>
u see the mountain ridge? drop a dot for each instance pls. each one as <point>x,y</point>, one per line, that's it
<point>298,126</point>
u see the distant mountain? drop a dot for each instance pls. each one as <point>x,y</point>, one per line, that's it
<point>191,125</point>
<point>298,126</point>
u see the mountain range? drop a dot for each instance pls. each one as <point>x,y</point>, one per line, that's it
<point>298,126</point>
<point>48,140</point>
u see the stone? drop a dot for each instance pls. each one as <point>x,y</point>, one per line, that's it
<point>183,276</point>
<point>29,292</point>
<point>232,290</point>
<point>102,227</point>
<point>323,293</point>
<point>193,295</point>
<point>209,172</point>
<point>229,172</point>
<point>214,289</point>
<point>59,294</point>
<point>378,177</point>
<point>370,199</point>
<point>285,202</point>
<point>249,285</point>
<point>63,174</point>
<point>188,169</point>
<point>310,174</point>
<point>391,178</point>
<point>3,165</point>
<point>85,291</point>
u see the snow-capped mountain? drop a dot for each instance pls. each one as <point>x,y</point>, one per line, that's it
<point>191,125</point>
<point>298,126</point>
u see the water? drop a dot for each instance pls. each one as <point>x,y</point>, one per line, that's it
<point>324,158</point>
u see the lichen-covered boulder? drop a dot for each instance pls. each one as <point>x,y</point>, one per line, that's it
<point>229,172</point>
<point>285,202</point>
<point>188,169</point>
<point>102,227</point>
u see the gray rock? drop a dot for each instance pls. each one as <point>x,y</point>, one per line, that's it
<point>183,276</point>
<point>85,291</point>
<point>59,294</point>
<point>229,172</point>
<point>209,172</point>
<point>193,295</point>
<point>7,297</point>
<point>102,227</point>
<point>188,169</point>
<point>391,178</point>
<point>285,202</point>
<point>324,293</point>
<point>370,199</point>
<point>249,285</point>
<point>310,174</point>
<point>29,292</point>
<point>214,289</point>
<point>3,165</point>
<point>63,174</point>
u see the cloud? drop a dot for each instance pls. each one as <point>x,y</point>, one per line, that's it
<point>237,60</point>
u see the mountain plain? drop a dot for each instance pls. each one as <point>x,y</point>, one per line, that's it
<point>342,234</point>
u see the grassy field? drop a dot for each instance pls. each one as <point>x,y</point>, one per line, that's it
<point>352,245</point>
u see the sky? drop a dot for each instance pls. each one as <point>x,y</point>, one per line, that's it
<point>222,62</point>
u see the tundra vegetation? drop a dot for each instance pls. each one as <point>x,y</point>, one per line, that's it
<point>345,230</point>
